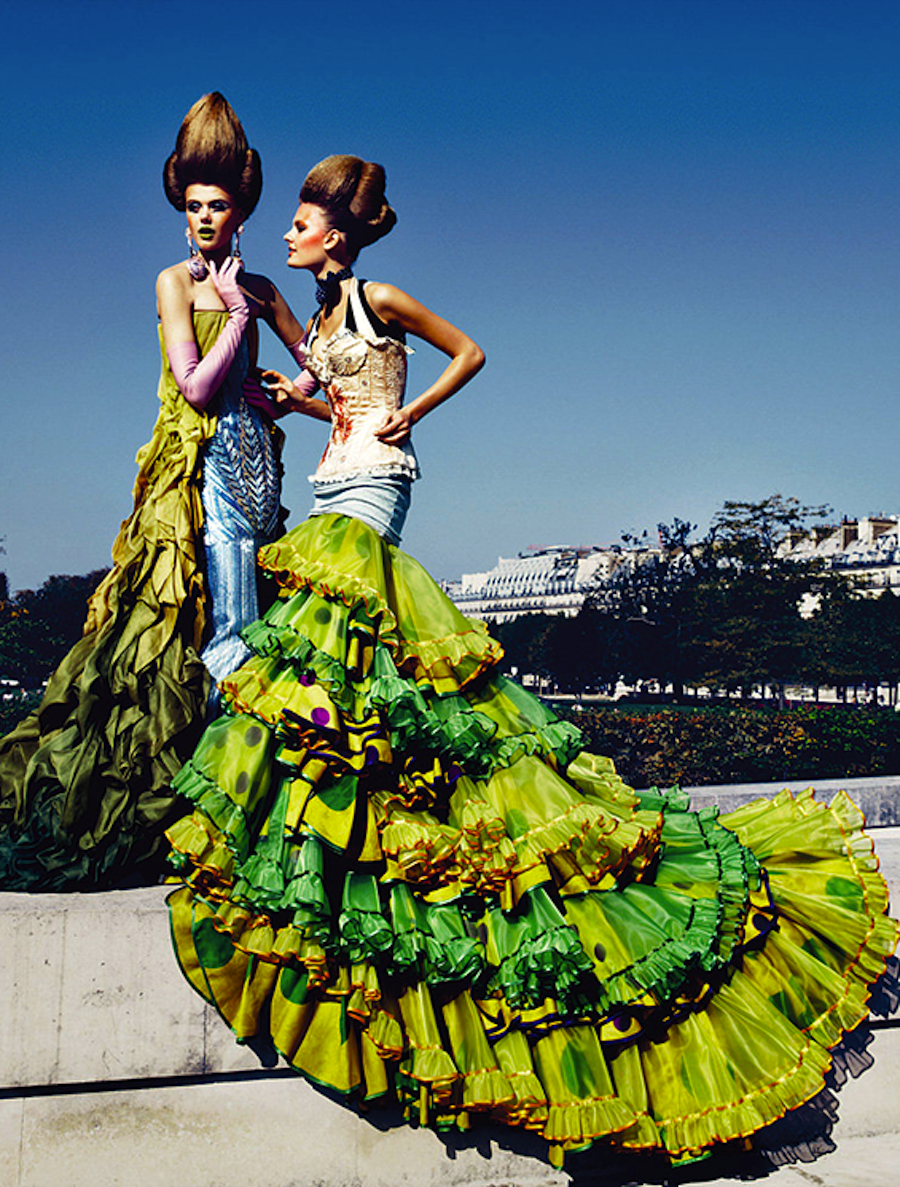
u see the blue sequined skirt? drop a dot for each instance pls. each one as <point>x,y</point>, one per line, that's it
<point>230,543</point>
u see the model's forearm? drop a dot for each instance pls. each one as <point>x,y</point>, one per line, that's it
<point>463,367</point>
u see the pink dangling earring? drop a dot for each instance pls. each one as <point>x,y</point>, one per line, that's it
<point>237,243</point>
<point>195,262</point>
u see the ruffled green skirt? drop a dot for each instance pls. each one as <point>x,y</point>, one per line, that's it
<point>405,870</point>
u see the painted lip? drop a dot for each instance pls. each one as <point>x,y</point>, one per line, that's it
<point>206,233</point>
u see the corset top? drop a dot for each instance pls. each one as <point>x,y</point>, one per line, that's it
<point>363,374</point>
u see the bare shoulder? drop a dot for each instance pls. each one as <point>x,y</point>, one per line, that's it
<point>378,292</point>
<point>387,300</point>
<point>173,281</point>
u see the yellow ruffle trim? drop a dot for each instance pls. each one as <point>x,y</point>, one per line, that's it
<point>599,843</point>
<point>447,664</point>
<point>722,1123</point>
<point>574,1124</point>
<point>197,839</point>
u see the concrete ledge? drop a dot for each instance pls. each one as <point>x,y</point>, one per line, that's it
<point>93,993</point>
<point>262,1134</point>
<point>93,996</point>
<point>282,1133</point>
<point>877,795</point>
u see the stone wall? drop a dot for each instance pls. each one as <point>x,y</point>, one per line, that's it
<point>114,1072</point>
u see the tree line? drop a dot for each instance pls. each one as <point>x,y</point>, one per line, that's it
<point>727,611</point>
<point>37,627</point>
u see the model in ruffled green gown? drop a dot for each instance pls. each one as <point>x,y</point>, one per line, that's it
<point>408,873</point>
<point>85,780</point>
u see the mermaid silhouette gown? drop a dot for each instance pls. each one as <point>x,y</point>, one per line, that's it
<point>408,873</point>
<point>85,780</point>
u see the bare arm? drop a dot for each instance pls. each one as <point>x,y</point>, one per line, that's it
<point>174,305</point>
<point>274,310</point>
<point>282,395</point>
<point>466,357</point>
<point>295,396</point>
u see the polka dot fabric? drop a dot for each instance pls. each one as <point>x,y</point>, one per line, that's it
<point>404,870</point>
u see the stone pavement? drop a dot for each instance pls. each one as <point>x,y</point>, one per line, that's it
<point>114,1074</point>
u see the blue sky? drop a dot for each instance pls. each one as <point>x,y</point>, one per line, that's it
<point>672,224</point>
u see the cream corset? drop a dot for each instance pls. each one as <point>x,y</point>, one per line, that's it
<point>363,374</point>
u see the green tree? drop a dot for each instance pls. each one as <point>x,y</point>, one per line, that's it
<point>749,628</point>
<point>722,611</point>
<point>524,641</point>
<point>649,607</point>
<point>854,639</point>
<point>574,655</point>
<point>37,628</point>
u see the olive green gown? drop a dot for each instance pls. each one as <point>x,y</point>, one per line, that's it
<point>85,780</point>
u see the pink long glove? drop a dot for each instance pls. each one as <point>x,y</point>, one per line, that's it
<point>199,379</point>
<point>305,383</point>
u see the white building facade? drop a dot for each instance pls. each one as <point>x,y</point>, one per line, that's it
<point>553,580</point>
<point>558,579</point>
<point>865,550</point>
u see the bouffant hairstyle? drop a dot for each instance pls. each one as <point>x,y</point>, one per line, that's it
<point>212,149</point>
<point>351,192</point>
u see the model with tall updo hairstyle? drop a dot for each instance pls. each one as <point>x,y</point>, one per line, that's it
<point>351,193</point>
<point>85,781</point>
<point>211,148</point>
<point>411,876</point>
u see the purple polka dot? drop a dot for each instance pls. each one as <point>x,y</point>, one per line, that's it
<point>321,717</point>
<point>307,678</point>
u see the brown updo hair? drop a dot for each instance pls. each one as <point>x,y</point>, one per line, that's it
<point>212,149</point>
<point>351,192</point>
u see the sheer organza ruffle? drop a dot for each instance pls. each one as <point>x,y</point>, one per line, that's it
<point>406,869</point>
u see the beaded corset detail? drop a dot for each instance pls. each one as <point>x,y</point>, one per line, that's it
<point>363,375</point>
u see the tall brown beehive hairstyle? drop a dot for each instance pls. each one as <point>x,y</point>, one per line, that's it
<point>212,149</point>
<point>351,192</point>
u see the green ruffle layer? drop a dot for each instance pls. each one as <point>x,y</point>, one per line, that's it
<point>324,643</point>
<point>397,828</point>
<point>480,728</point>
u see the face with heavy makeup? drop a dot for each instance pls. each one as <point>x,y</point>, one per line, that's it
<point>212,217</point>
<point>312,241</point>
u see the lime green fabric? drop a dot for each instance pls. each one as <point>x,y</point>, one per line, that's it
<point>85,780</point>
<point>465,911</point>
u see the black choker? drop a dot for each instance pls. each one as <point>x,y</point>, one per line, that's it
<point>328,288</point>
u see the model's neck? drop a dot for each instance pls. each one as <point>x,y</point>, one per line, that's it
<point>332,266</point>
<point>217,257</point>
